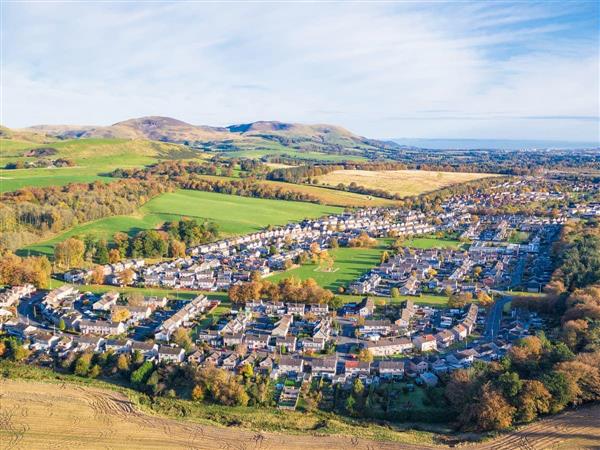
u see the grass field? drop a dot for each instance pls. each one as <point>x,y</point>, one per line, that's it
<point>518,237</point>
<point>235,215</point>
<point>94,159</point>
<point>255,153</point>
<point>426,243</point>
<point>402,182</point>
<point>350,263</point>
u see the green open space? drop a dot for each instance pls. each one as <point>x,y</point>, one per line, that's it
<point>235,215</point>
<point>94,159</point>
<point>350,264</point>
<point>432,242</point>
<point>518,237</point>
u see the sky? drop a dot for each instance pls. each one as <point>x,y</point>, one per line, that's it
<point>507,70</point>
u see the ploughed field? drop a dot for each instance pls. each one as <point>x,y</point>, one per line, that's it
<point>402,182</point>
<point>63,415</point>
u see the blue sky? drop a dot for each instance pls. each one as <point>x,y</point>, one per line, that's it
<point>512,70</point>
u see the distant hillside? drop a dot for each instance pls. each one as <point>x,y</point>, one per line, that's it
<point>263,134</point>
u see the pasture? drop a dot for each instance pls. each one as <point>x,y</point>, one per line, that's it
<point>234,215</point>
<point>94,159</point>
<point>402,182</point>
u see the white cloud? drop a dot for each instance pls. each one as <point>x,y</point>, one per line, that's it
<point>381,70</point>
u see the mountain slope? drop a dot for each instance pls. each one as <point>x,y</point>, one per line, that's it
<point>327,138</point>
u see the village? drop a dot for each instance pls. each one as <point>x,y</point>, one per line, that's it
<point>371,339</point>
<point>288,342</point>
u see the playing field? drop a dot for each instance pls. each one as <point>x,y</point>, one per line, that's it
<point>235,215</point>
<point>350,264</point>
<point>402,182</point>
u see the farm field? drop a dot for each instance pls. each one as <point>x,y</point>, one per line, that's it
<point>350,263</point>
<point>94,159</point>
<point>333,196</point>
<point>401,182</point>
<point>235,215</point>
<point>426,243</point>
<point>67,415</point>
<point>65,412</point>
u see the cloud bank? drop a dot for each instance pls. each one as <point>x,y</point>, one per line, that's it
<point>479,70</point>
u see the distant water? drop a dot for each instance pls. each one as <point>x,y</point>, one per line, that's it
<point>503,144</point>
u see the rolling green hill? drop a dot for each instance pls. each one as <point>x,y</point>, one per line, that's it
<point>264,135</point>
<point>93,159</point>
<point>235,215</point>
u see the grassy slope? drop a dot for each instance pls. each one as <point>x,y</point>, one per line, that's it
<point>94,158</point>
<point>235,215</point>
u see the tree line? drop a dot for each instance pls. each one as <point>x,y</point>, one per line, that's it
<point>171,240</point>
<point>32,213</point>
<point>287,290</point>
<point>187,175</point>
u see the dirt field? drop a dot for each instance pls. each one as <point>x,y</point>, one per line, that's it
<point>36,415</point>
<point>403,182</point>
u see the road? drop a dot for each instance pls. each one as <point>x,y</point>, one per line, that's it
<point>25,310</point>
<point>494,317</point>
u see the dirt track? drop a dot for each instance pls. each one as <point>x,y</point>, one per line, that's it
<point>51,416</point>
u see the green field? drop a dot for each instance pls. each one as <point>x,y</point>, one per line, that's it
<point>430,242</point>
<point>94,159</point>
<point>350,264</point>
<point>518,237</point>
<point>317,156</point>
<point>235,215</point>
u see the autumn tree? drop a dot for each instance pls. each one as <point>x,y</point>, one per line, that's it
<point>176,248</point>
<point>365,355</point>
<point>69,253</point>
<point>98,275</point>
<point>126,276</point>
<point>114,256</point>
<point>181,337</point>
<point>15,270</point>
<point>492,411</point>
<point>534,399</point>
<point>119,314</point>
